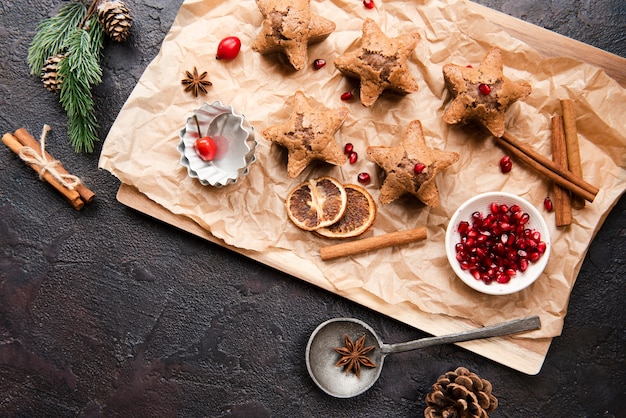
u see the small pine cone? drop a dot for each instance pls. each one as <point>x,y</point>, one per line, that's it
<point>50,77</point>
<point>460,394</point>
<point>115,19</point>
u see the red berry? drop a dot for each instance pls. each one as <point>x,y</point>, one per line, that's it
<point>353,157</point>
<point>348,148</point>
<point>469,66</point>
<point>228,48</point>
<point>506,164</point>
<point>347,96</point>
<point>369,4</point>
<point>319,63</point>
<point>419,168</point>
<point>206,148</point>
<point>547,204</point>
<point>484,89</point>
<point>363,178</point>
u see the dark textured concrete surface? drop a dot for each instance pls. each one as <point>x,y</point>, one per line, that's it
<point>106,312</point>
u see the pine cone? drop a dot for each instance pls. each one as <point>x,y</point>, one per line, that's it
<point>460,394</point>
<point>49,73</point>
<point>115,19</point>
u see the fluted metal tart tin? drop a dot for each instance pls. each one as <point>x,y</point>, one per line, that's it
<point>235,140</point>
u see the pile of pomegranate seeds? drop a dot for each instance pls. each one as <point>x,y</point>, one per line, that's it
<point>495,246</point>
<point>353,157</point>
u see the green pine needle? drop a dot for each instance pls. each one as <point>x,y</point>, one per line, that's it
<point>52,33</point>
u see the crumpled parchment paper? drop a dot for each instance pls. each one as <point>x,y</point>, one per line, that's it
<point>141,147</point>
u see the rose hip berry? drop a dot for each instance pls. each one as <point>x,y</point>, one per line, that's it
<point>506,164</point>
<point>228,48</point>
<point>363,178</point>
<point>547,204</point>
<point>353,157</point>
<point>347,96</point>
<point>369,4</point>
<point>484,89</point>
<point>496,245</point>
<point>319,63</point>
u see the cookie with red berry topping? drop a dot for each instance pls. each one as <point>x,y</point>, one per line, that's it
<point>411,167</point>
<point>289,27</point>
<point>482,94</point>
<point>380,63</point>
<point>309,134</point>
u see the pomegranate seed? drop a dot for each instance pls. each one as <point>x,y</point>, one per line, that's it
<point>347,96</point>
<point>484,89</point>
<point>547,204</point>
<point>506,164</point>
<point>363,178</point>
<point>353,157</point>
<point>419,168</point>
<point>369,4</point>
<point>319,63</point>
<point>469,66</point>
<point>348,148</point>
<point>493,248</point>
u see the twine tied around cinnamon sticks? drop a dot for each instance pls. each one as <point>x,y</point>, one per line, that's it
<point>34,154</point>
<point>30,156</point>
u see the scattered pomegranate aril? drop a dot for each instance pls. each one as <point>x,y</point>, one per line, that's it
<point>363,178</point>
<point>347,96</point>
<point>228,48</point>
<point>319,63</point>
<point>348,148</point>
<point>353,157</point>
<point>547,204</point>
<point>484,89</point>
<point>369,4</point>
<point>419,168</point>
<point>496,245</point>
<point>506,164</point>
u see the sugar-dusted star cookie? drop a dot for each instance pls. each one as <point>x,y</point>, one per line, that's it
<point>309,135</point>
<point>380,63</point>
<point>289,27</point>
<point>482,94</point>
<point>411,167</point>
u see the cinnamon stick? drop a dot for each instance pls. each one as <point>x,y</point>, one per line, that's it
<point>571,145</point>
<point>373,243</point>
<point>562,198</point>
<point>545,166</point>
<point>71,195</point>
<point>26,139</point>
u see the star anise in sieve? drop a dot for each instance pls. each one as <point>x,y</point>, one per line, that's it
<point>196,83</point>
<point>353,355</point>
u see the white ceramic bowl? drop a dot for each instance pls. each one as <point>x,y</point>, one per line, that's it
<point>235,142</point>
<point>482,204</point>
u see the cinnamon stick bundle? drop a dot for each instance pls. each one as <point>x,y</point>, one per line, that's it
<point>373,243</point>
<point>547,167</point>
<point>22,141</point>
<point>562,198</point>
<point>571,145</point>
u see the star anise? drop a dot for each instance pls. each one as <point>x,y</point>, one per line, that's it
<point>353,355</point>
<point>196,83</point>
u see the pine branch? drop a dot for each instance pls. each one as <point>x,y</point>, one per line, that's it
<point>51,35</point>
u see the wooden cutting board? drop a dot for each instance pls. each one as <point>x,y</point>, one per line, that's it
<point>524,355</point>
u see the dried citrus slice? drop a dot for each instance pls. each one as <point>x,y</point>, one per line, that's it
<point>359,215</point>
<point>316,203</point>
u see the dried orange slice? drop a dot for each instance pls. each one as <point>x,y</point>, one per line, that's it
<point>359,215</point>
<point>316,203</point>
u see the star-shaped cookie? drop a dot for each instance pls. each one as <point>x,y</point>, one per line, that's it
<point>309,135</point>
<point>411,167</point>
<point>380,63</point>
<point>482,94</point>
<point>289,27</point>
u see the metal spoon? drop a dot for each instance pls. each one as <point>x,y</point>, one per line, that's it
<point>321,356</point>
